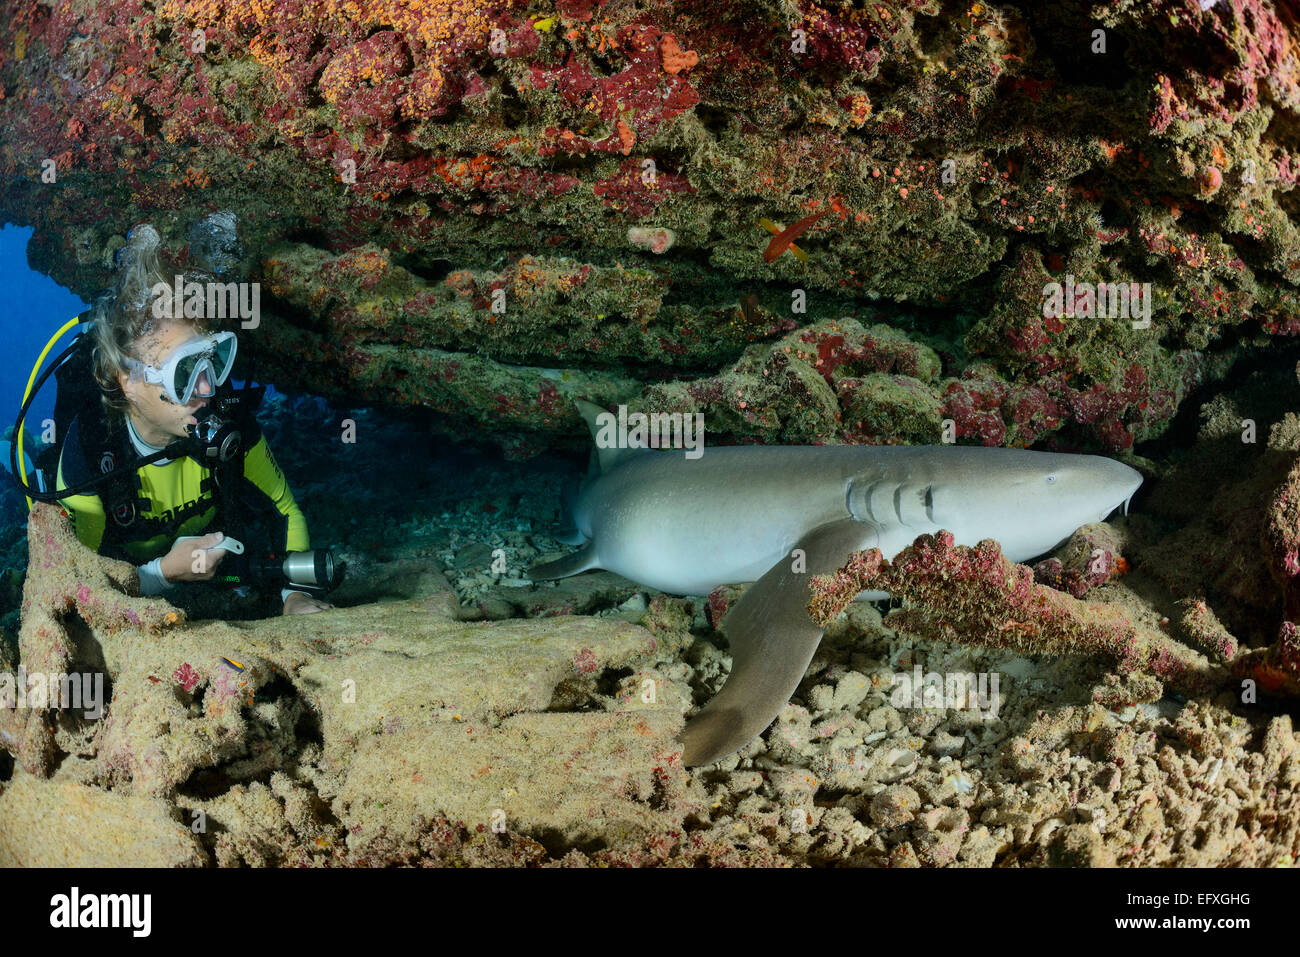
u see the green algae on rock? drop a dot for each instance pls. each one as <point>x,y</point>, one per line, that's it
<point>967,154</point>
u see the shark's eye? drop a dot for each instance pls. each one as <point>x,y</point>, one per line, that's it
<point>1051,478</point>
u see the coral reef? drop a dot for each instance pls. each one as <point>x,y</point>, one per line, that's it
<point>960,594</point>
<point>1236,549</point>
<point>340,730</point>
<point>141,830</point>
<point>1092,556</point>
<point>1027,771</point>
<point>562,201</point>
<point>471,214</point>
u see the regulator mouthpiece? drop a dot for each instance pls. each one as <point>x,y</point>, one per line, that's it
<point>219,440</point>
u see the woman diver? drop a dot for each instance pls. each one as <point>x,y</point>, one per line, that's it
<point>156,376</point>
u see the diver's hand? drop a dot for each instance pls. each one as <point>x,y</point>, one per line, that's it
<point>296,603</point>
<point>194,560</point>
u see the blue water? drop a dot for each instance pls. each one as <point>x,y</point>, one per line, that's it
<point>37,307</point>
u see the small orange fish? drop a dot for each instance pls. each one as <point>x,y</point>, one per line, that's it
<point>749,308</point>
<point>784,239</point>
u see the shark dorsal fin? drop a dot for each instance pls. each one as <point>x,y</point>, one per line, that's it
<point>608,453</point>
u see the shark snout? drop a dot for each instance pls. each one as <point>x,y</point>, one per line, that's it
<point>1119,484</point>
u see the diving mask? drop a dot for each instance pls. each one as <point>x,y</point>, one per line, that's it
<point>179,375</point>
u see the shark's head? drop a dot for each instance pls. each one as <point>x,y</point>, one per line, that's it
<point>1032,501</point>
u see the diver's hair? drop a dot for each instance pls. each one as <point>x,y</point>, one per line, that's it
<point>122,315</point>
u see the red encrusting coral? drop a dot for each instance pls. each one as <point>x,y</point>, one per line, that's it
<point>975,596</point>
<point>465,130</point>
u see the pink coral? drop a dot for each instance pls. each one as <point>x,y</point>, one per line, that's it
<point>976,596</point>
<point>657,239</point>
<point>186,677</point>
<point>584,662</point>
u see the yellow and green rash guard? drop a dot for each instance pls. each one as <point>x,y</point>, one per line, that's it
<point>170,487</point>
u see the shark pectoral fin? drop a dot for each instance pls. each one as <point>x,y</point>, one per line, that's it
<point>772,641</point>
<point>569,535</point>
<point>580,561</point>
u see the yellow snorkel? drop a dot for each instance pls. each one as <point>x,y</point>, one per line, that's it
<point>22,426</point>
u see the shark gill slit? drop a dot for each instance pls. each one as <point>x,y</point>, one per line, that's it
<point>860,499</point>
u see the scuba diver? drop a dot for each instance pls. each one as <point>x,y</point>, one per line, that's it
<point>164,455</point>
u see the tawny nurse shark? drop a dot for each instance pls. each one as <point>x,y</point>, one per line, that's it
<point>776,515</point>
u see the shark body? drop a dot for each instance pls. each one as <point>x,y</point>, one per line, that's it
<point>776,515</point>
